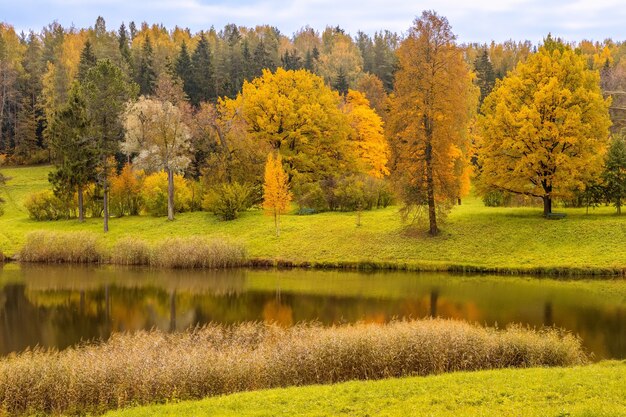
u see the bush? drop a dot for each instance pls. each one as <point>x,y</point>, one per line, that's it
<point>126,192</point>
<point>58,247</point>
<point>44,205</point>
<point>130,251</point>
<point>226,201</point>
<point>311,198</point>
<point>154,194</point>
<point>197,252</point>
<point>149,367</point>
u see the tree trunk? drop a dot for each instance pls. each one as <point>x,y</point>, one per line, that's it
<point>277,222</point>
<point>547,205</point>
<point>430,185</point>
<point>81,206</point>
<point>618,206</point>
<point>106,207</point>
<point>170,195</point>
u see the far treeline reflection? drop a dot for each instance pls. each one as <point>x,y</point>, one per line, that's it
<point>52,306</point>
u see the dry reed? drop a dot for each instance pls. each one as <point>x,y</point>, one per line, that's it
<point>148,367</point>
<point>197,252</point>
<point>56,247</point>
<point>130,251</point>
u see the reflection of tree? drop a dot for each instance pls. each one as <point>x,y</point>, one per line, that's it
<point>275,312</point>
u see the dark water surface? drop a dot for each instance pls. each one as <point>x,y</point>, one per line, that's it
<point>58,306</point>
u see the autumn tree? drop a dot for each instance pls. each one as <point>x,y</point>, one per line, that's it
<point>276,195</point>
<point>431,110</point>
<point>545,127</point>
<point>614,174</point>
<point>106,91</point>
<point>156,132</point>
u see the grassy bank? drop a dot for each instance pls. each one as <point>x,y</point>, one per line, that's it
<point>475,238</point>
<point>149,367</point>
<point>595,390</point>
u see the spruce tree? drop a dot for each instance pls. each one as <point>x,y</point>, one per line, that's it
<point>122,38</point>
<point>202,73</point>
<point>246,58</point>
<point>87,60</point>
<point>146,75</point>
<point>341,82</point>
<point>614,175</point>
<point>485,75</point>
<point>183,69</point>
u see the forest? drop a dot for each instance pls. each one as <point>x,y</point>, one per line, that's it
<point>146,119</point>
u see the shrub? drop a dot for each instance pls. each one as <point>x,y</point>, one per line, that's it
<point>126,192</point>
<point>226,201</point>
<point>149,367</point>
<point>58,247</point>
<point>154,194</point>
<point>197,252</point>
<point>130,251</point>
<point>311,198</point>
<point>44,205</point>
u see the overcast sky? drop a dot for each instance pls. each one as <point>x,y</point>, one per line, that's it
<point>472,21</point>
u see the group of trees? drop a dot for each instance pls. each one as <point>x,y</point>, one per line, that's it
<point>321,119</point>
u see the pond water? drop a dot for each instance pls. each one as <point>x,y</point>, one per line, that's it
<point>58,306</point>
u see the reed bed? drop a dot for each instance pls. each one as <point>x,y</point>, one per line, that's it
<point>55,247</point>
<point>85,247</point>
<point>149,367</point>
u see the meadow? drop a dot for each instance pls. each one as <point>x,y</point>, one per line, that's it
<point>474,237</point>
<point>590,391</point>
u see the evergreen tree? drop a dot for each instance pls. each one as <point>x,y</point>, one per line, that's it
<point>341,82</point>
<point>485,75</point>
<point>183,69</point>
<point>146,75</point>
<point>202,73</point>
<point>132,29</point>
<point>261,59</point>
<point>31,88</point>
<point>291,60</point>
<point>246,61</point>
<point>614,175</point>
<point>87,60</point>
<point>122,38</point>
<point>75,152</point>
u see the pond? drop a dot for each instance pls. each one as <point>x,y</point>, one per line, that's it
<point>58,306</point>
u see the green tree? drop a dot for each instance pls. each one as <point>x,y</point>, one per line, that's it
<point>485,76</point>
<point>146,74</point>
<point>74,152</point>
<point>87,60</point>
<point>203,75</point>
<point>614,174</point>
<point>106,91</point>
<point>183,69</point>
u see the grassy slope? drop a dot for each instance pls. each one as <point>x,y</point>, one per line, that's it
<point>595,390</point>
<point>474,235</point>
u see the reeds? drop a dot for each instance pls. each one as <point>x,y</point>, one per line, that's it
<point>54,247</point>
<point>84,247</point>
<point>148,367</point>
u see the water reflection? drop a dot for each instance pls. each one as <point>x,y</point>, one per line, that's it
<point>60,306</point>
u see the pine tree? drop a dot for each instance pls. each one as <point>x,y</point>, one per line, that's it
<point>341,82</point>
<point>276,195</point>
<point>87,60</point>
<point>485,76</point>
<point>614,175</point>
<point>202,73</point>
<point>183,69</point>
<point>146,75</point>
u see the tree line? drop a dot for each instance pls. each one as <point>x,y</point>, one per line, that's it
<point>342,115</point>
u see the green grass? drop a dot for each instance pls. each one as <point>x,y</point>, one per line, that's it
<point>474,237</point>
<point>595,390</point>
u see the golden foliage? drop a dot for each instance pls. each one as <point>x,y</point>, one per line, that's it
<point>545,127</point>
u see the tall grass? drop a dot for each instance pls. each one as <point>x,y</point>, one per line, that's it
<point>84,247</point>
<point>197,252</point>
<point>55,247</point>
<point>149,367</point>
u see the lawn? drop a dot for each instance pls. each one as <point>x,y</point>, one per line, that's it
<point>594,390</point>
<point>473,235</point>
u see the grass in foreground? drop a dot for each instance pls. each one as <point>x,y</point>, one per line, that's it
<point>150,367</point>
<point>496,239</point>
<point>594,390</point>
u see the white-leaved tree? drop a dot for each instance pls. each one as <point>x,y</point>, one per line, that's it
<point>159,138</point>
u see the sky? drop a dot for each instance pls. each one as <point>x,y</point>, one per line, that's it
<point>471,20</point>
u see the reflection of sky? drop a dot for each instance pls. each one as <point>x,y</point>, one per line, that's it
<point>473,21</point>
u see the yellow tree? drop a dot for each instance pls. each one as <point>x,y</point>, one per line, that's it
<point>276,195</point>
<point>367,136</point>
<point>431,110</point>
<point>545,127</point>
